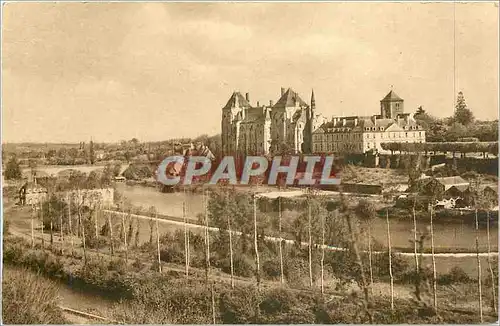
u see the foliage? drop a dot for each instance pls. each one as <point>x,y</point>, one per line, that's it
<point>462,115</point>
<point>29,299</point>
<point>12,169</point>
<point>444,147</point>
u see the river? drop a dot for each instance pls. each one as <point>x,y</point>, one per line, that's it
<point>452,235</point>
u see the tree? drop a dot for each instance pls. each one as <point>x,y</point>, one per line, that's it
<point>366,212</point>
<point>456,131</point>
<point>13,170</point>
<point>91,153</point>
<point>420,111</point>
<point>462,114</point>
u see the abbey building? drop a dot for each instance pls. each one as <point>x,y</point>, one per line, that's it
<point>293,125</point>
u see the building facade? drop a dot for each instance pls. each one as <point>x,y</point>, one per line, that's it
<point>360,134</point>
<point>294,125</point>
<point>264,129</point>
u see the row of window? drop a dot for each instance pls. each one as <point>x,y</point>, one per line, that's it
<point>330,137</point>
<point>336,147</point>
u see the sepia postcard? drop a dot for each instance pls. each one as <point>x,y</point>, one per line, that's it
<point>250,162</point>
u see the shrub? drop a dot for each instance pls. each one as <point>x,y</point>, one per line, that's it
<point>172,254</point>
<point>243,266</point>
<point>238,306</point>
<point>27,298</point>
<point>271,268</point>
<point>456,275</point>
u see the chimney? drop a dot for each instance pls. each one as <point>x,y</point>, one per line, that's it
<point>343,122</point>
<point>247,97</point>
<point>271,103</point>
<point>282,91</point>
<point>258,103</point>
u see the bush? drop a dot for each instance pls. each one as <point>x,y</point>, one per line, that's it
<point>238,306</point>
<point>271,269</point>
<point>27,298</point>
<point>172,254</point>
<point>243,266</point>
<point>456,275</point>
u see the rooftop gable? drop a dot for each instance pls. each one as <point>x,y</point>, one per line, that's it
<point>289,99</point>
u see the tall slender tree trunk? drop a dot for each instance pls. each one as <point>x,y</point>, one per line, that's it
<point>69,225</point>
<point>212,292</point>
<point>366,301</point>
<point>97,228</point>
<point>158,242</point>
<point>370,257</point>
<point>124,233</point>
<point>280,217</point>
<point>82,225</point>
<point>257,262</point>
<point>309,231</point>
<point>479,276</point>
<point>231,261</point>
<point>207,238</point>
<point>434,277</point>
<point>61,231</point>
<point>111,240</point>
<point>390,258</point>
<point>43,225</point>
<point>97,223</point>
<point>51,227</point>
<point>32,226</point>
<point>415,244</point>
<point>186,238</point>
<point>492,274</point>
<point>322,253</point>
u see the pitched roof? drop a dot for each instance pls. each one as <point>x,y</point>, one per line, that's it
<point>288,99</point>
<point>460,188</point>
<point>452,181</point>
<point>236,97</point>
<point>392,96</point>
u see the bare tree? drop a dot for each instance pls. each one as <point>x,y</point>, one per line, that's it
<point>82,225</point>
<point>257,262</point>
<point>322,253</point>
<point>207,238</point>
<point>124,234</point>
<point>111,240</point>
<point>186,238</point>
<point>51,225</point>
<point>43,226</point>
<point>434,276</point>
<point>492,274</point>
<point>479,287</point>
<point>390,258</point>
<point>32,226</point>
<point>69,222</point>
<point>158,241</point>
<point>359,262</point>
<point>309,231</point>
<point>280,217</point>
<point>230,232</point>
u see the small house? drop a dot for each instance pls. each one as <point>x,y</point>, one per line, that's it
<point>32,194</point>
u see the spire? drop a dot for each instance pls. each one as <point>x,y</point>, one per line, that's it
<point>313,101</point>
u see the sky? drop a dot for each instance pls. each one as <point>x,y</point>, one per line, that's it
<point>154,71</point>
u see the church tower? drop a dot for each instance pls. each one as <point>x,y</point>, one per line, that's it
<point>311,114</point>
<point>391,105</point>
